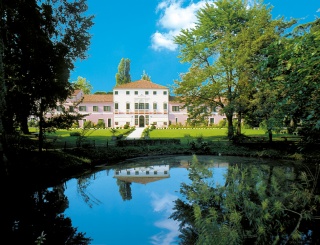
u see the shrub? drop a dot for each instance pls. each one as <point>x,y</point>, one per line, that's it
<point>75,134</point>
<point>222,124</point>
<point>88,124</point>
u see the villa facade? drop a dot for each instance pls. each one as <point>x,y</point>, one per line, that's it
<point>140,103</point>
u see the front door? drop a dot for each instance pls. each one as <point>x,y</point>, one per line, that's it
<point>109,122</point>
<point>141,121</point>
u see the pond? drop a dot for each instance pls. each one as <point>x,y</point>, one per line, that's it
<point>130,203</point>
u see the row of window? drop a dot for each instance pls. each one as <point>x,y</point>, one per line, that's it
<point>145,92</point>
<point>141,106</point>
<point>95,108</point>
<point>137,106</point>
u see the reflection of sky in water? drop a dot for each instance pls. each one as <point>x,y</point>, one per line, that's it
<point>141,220</point>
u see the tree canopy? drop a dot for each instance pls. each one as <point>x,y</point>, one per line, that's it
<point>41,41</point>
<point>222,50</point>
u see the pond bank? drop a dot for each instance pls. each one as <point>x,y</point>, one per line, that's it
<point>58,165</point>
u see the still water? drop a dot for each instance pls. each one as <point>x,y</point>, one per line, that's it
<point>131,203</point>
<point>127,204</point>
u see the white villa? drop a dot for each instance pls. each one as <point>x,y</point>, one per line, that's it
<point>140,103</point>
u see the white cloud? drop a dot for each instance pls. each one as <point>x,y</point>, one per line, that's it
<point>174,16</point>
<point>170,227</point>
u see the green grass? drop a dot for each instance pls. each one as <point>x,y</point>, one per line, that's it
<point>103,137</point>
<point>208,134</point>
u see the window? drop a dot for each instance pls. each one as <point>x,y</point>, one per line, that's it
<point>136,172</point>
<point>107,108</point>
<point>211,120</point>
<point>136,106</point>
<point>115,92</point>
<point>128,172</point>
<point>71,108</point>
<point>127,92</point>
<point>165,106</point>
<point>147,172</point>
<point>164,92</point>
<point>146,92</point>
<point>95,108</point>
<point>141,105</point>
<point>154,106</point>
<point>175,108</point>
<point>146,106</point>
<point>154,92</point>
<point>136,92</point>
<point>82,108</point>
<point>136,120</point>
<point>116,106</point>
<point>189,108</point>
<point>128,106</point>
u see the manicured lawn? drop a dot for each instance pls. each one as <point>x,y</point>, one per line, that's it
<point>103,137</point>
<point>209,134</point>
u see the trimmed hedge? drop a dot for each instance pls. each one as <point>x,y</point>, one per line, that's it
<point>144,142</point>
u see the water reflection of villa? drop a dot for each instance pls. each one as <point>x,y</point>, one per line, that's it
<point>143,175</point>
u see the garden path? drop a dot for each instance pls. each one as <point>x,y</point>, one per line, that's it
<point>136,134</point>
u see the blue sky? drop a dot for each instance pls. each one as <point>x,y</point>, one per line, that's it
<point>142,31</point>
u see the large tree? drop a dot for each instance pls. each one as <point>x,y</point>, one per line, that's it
<point>221,50</point>
<point>292,68</point>
<point>42,39</point>
<point>123,74</point>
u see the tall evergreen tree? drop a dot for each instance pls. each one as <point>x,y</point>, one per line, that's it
<point>123,74</point>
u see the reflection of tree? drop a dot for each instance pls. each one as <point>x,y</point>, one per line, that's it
<point>29,214</point>
<point>257,205</point>
<point>124,189</point>
<point>82,188</point>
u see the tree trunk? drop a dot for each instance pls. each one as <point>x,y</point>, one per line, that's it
<point>3,159</point>
<point>41,124</point>
<point>239,123</point>
<point>24,125</point>
<point>270,135</point>
<point>230,125</point>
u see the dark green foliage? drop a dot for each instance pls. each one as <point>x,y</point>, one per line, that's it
<point>57,29</point>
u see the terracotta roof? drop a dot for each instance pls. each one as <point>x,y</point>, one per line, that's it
<point>174,98</point>
<point>144,84</point>
<point>97,98</point>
